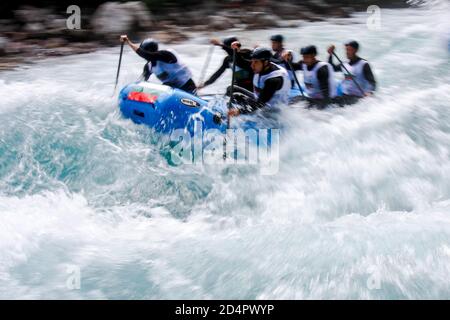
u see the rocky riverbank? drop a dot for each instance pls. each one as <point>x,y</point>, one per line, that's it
<point>32,33</point>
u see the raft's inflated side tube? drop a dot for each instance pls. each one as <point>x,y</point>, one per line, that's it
<point>166,109</point>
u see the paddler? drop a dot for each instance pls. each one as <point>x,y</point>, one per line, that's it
<point>277,46</point>
<point>271,84</point>
<point>164,64</point>
<point>318,77</point>
<point>360,72</point>
<point>243,77</point>
<point>277,57</point>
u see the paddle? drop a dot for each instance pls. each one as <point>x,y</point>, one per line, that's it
<point>295,77</point>
<point>349,74</point>
<point>205,66</point>
<point>118,67</point>
<point>233,70</point>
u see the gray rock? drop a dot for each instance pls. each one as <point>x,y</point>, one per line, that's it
<point>319,3</point>
<point>10,63</point>
<point>80,35</point>
<point>221,23</point>
<point>114,18</point>
<point>3,44</point>
<point>189,18</point>
<point>34,27</point>
<point>192,18</point>
<point>55,43</point>
<point>261,20</point>
<point>38,20</point>
<point>168,35</point>
<point>141,14</point>
<point>55,22</point>
<point>287,10</point>
<point>30,14</point>
<point>7,25</point>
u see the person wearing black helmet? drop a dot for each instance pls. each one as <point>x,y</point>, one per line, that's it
<point>164,64</point>
<point>278,50</point>
<point>360,72</point>
<point>271,84</point>
<point>243,77</point>
<point>318,77</point>
<point>277,46</point>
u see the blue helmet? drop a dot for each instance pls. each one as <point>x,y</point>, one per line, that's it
<point>149,45</point>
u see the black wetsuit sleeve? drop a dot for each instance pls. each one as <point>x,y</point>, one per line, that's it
<point>297,65</point>
<point>369,75</point>
<point>270,87</point>
<point>219,72</point>
<point>162,55</point>
<point>227,49</point>
<point>337,68</point>
<point>322,76</point>
<point>241,58</point>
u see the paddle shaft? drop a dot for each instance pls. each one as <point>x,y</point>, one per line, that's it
<point>118,67</point>
<point>296,80</point>
<point>349,74</point>
<point>205,66</point>
<point>233,70</point>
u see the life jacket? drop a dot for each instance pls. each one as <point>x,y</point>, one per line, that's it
<point>281,96</point>
<point>312,85</point>
<point>278,56</point>
<point>357,70</point>
<point>171,74</point>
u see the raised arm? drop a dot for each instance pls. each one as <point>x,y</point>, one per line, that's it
<point>287,57</point>
<point>218,73</point>
<point>330,50</point>
<point>161,55</point>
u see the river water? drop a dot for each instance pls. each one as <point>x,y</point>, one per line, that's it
<point>90,207</point>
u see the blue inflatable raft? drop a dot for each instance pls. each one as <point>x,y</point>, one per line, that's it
<point>166,109</point>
